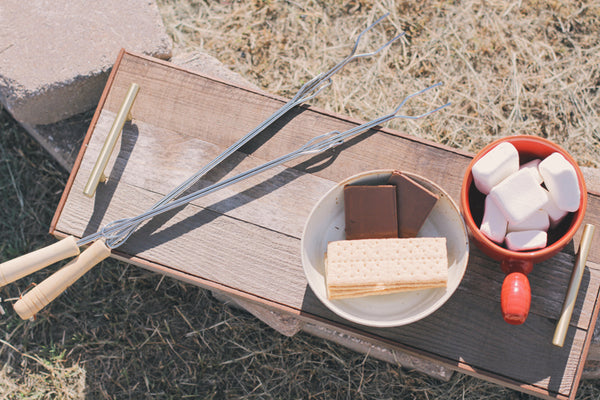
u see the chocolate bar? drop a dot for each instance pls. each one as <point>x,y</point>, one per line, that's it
<point>370,212</point>
<point>414,204</point>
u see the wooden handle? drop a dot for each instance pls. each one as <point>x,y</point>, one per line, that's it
<point>567,310</point>
<point>27,264</point>
<point>41,295</point>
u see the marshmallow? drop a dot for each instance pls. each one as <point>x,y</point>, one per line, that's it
<point>554,213</point>
<point>526,240</point>
<point>493,224</point>
<point>561,180</point>
<point>519,196</point>
<point>538,221</point>
<point>533,167</point>
<point>495,166</point>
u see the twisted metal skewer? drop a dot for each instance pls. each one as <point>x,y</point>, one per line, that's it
<point>116,232</point>
<point>307,92</point>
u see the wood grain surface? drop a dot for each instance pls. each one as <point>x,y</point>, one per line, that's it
<point>245,239</point>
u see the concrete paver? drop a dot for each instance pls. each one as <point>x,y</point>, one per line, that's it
<point>55,55</point>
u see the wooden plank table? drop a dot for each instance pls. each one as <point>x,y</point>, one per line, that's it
<point>245,240</point>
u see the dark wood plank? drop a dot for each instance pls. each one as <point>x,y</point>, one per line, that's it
<point>180,96</point>
<point>494,347</point>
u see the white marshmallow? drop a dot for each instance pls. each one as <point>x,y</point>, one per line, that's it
<point>538,221</point>
<point>533,167</point>
<point>554,213</point>
<point>495,166</point>
<point>561,180</point>
<point>493,224</point>
<point>526,240</point>
<point>519,196</point>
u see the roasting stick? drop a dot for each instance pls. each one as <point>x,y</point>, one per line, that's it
<point>307,92</point>
<point>18,268</point>
<point>50,288</point>
<point>314,146</point>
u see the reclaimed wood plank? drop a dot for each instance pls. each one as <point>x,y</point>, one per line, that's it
<point>279,200</point>
<point>487,347</point>
<point>212,99</point>
<point>245,109</point>
<point>261,261</point>
<point>270,257</point>
<point>205,222</point>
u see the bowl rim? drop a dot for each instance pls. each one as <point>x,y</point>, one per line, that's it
<point>391,323</point>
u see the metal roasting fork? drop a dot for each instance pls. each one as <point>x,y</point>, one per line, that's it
<point>308,91</point>
<point>18,268</point>
<point>117,232</point>
<point>50,288</point>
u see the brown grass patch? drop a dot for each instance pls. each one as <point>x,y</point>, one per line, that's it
<point>509,68</point>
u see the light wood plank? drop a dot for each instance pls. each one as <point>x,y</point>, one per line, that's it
<point>145,161</point>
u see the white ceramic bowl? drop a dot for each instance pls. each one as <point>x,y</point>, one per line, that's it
<point>326,223</point>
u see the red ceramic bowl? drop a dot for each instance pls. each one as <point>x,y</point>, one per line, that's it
<point>516,295</point>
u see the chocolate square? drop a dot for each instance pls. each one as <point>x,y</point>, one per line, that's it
<point>370,212</point>
<point>414,204</point>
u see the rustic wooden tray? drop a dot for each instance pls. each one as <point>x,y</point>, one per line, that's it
<point>245,240</point>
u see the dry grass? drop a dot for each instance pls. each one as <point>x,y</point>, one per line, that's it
<point>122,332</point>
<point>53,380</point>
<point>508,67</point>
